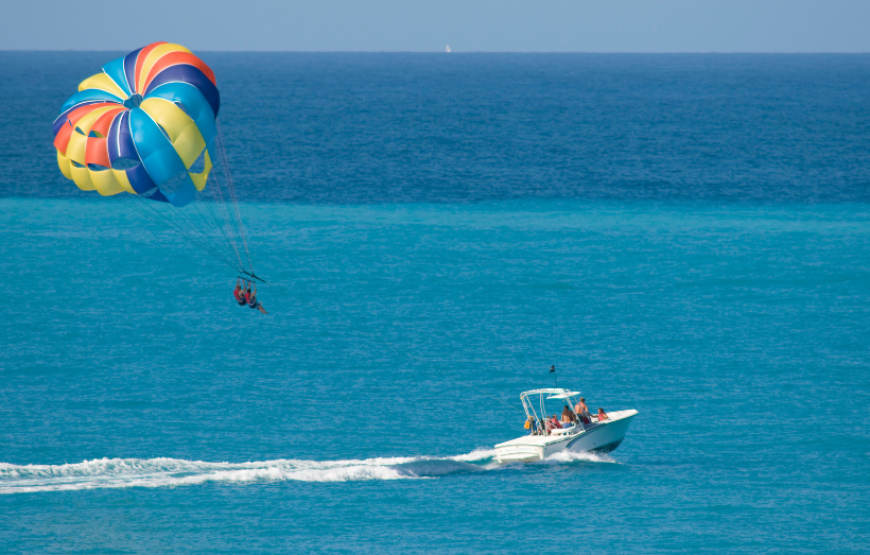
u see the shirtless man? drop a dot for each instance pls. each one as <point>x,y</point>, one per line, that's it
<point>567,416</point>
<point>582,411</point>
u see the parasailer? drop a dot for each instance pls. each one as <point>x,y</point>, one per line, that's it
<point>251,298</point>
<point>145,129</point>
<point>239,293</point>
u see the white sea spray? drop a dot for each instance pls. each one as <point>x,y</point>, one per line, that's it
<point>159,472</point>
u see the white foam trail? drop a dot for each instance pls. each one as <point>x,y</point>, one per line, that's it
<point>570,456</point>
<point>165,472</point>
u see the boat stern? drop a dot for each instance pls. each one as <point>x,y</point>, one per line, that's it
<point>509,453</point>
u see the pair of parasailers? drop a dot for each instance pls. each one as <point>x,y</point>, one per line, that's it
<point>248,295</point>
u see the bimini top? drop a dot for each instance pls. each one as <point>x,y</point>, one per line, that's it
<point>564,395</point>
<point>555,393</point>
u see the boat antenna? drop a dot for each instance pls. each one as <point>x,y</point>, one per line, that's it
<point>553,371</point>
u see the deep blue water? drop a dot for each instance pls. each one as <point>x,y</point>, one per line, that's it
<point>688,236</point>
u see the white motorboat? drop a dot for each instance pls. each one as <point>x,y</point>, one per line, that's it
<point>596,436</point>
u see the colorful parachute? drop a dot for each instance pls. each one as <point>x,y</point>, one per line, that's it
<point>145,126</point>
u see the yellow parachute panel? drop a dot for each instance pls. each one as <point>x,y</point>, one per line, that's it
<point>182,131</point>
<point>102,82</point>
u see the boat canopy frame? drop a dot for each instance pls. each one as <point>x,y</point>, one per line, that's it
<point>544,394</point>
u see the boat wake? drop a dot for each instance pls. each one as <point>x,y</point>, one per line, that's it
<point>564,457</point>
<point>166,472</point>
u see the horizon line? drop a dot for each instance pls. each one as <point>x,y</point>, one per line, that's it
<point>441,52</point>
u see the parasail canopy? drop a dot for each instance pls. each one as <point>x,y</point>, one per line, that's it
<point>146,129</point>
<point>141,126</point>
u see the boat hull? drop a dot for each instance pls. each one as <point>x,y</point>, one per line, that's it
<point>599,437</point>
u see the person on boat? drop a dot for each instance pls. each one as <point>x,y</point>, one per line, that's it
<point>602,416</point>
<point>582,411</point>
<point>548,426</point>
<point>568,416</point>
<point>251,298</point>
<point>239,294</point>
<point>531,426</point>
<point>556,423</point>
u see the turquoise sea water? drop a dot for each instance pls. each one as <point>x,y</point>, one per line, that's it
<point>719,285</point>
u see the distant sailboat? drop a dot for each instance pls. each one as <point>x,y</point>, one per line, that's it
<point>447,48</point>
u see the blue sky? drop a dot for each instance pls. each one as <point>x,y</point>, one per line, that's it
<point>427,26</point>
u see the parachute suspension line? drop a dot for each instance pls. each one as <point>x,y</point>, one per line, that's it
<point>211,229</point>
<point>217,191</point>
<point>231,198</point>
<point>185,216</point>
<point>218,223</point>
<point>213,225</point>
<point>223,219</point>
<point>143,207</point>
<point>188,232</point>
<point>215,229</point>
<point>220,141</point>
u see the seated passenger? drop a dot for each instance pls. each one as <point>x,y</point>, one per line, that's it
<point>602,416</point>
<point>548,426</point>
<point>555,422</point>
<point>530,425</point>
<point>568,416</point>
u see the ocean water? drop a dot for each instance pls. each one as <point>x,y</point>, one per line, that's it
<point>688,236</point>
